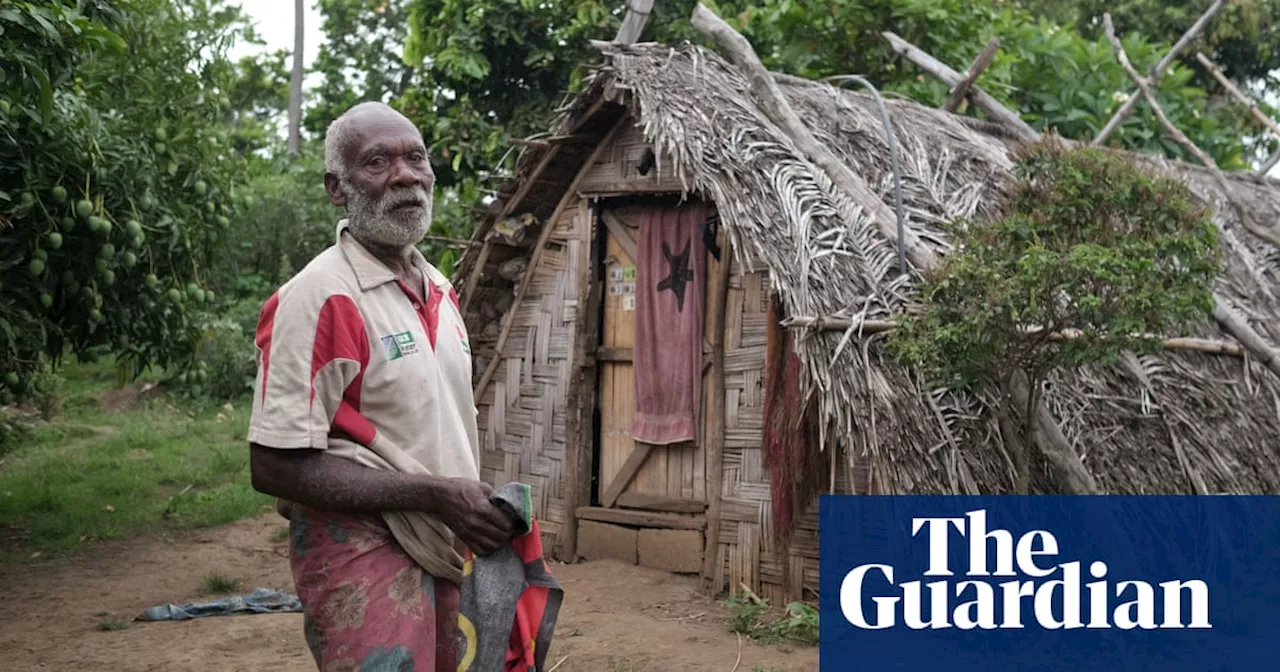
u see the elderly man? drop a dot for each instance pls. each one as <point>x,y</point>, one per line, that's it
<point>364,419</point>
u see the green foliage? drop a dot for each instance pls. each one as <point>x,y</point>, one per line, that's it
<point>1090,245</point>
<point>116,176</point>
<point>751,618</point>
<point>1242,37</point>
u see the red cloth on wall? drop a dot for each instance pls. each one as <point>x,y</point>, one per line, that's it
<point>670,284</point>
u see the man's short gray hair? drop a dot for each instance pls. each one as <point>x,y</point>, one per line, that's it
<point>338,136</point>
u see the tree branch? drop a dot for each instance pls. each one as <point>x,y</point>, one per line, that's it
<point>1144,86</point>
<point>1157,72</point>
<point>961,90</point>
<point>1238,94</point>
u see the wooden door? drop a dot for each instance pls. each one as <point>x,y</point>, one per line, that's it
<point>639,476</point>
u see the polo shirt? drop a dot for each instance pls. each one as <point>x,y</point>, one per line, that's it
<point>352,362</point>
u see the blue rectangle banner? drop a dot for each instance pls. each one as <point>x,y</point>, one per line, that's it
<point>1049,583</point>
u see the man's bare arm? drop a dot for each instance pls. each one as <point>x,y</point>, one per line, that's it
<point>314,479</point>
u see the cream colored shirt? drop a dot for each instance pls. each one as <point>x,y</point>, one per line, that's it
<point>352,362</point>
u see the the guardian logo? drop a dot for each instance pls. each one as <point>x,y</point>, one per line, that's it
<point>1053,603</point>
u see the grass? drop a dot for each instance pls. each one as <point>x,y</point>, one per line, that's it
<point>111,624</point>
<point>217,584</point>
<point>751,618</point>
<point>94,474</point>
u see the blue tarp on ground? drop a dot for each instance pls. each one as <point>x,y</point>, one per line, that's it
<point>260,601</point>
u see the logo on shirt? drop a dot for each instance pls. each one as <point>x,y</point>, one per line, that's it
<point>462,335</point>
<point>399,345</point>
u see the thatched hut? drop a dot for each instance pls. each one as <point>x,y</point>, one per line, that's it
<point>546,301</point>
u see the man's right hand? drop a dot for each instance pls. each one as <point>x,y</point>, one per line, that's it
<point>467,511</point>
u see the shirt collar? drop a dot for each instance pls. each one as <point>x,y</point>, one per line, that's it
<point>370,272</point>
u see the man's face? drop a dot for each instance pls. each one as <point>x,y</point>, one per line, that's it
<point>389,180</point>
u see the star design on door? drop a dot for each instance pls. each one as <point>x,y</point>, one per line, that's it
<point>680,274</point>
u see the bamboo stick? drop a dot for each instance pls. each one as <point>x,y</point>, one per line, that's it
<point>509,318</point>
<point>1205,345</point>
<point>961,90</point>
<point>1157,72</point>
<point>1219,178</point>
<point>769,97</point>
<point>992,107</point>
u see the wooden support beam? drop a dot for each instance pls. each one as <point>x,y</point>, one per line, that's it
<point>626,474</point>
<point>714,411</point>
<point>1205,345</point>
<point>619,231</point>
<point>1269,234</point>
<point>960,91</point>
<point>768,96</point>
<point>583,381</point>
<point>636,500</point>
<point>633,22</point>
<point>665,521</point>
<point>1158,71</point>
<point>1236,93</point>
<point>508,318</point>
<point>992,107</point>
<point>509,207</point>
<point>552,140</point>
<point>1236,325</point>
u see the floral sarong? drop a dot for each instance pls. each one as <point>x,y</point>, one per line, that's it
<point>367,606</point>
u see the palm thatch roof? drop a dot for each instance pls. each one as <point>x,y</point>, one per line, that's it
<point>1178,422</point>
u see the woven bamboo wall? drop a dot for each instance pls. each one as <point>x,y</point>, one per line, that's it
<point>617,169</point>
<point>522,413</point>
<point>750,553</point>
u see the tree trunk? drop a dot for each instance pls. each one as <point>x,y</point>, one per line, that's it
<point>295,82</point>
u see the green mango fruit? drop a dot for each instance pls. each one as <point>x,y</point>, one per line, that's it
<point>84,208</point>
<point>59,194</point>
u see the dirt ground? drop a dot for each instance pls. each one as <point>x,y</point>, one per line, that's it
<point>615,618</point>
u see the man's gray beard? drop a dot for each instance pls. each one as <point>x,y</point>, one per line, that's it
<point>370,221</point>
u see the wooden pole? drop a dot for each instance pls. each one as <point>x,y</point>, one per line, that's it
<point>715,416</point>
<point>509,318</point>
<point>1205,345</point>
<point>1144,85</point>
<point>1158,71</point>
<point>769,97</point>
<point>580,399</point>
<point>961,90</point>
<point>992,107</point>
<point>633,23</point>
<point>1238,94</point>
